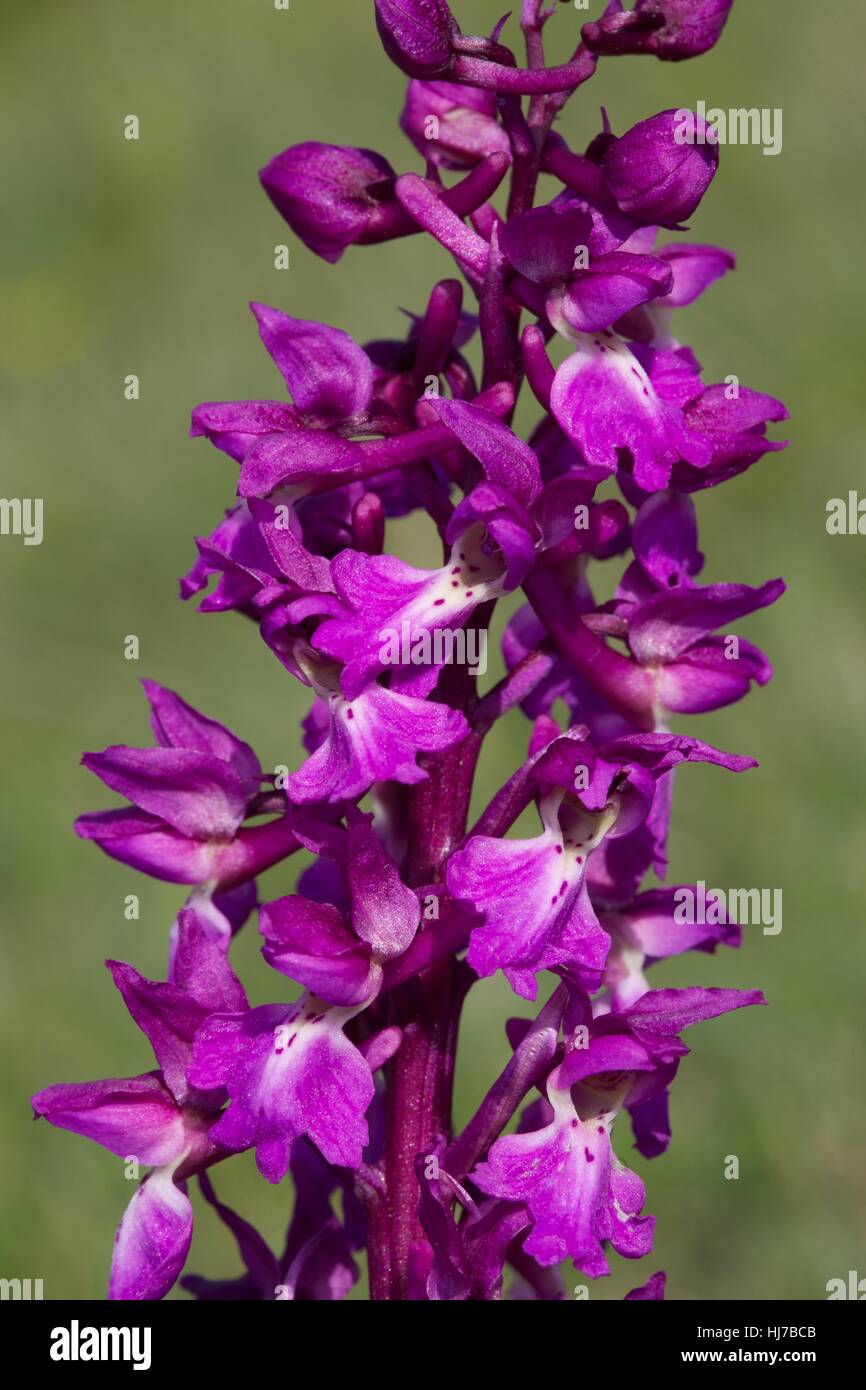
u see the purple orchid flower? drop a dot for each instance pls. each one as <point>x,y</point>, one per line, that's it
<point>452,125</point>
<point>577,1191</point>
<point>289,1071</point>
<point>372,737</point>
<point>158,1119</point>
<point>670,621</point>
<point>583,796</point>
<point>190,797</point>
<point>669,29</point>
<point>395,610</point>
<point>344,1086</point>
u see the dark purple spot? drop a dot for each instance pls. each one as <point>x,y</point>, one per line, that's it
<point>349,713</point>
<point>563,885</point>
<point>559,849</point>
<point>590,1158</point>
<point>574,1124</point>
<point>601,1129</point>
<point>468,593</point>
<point>438,602</point>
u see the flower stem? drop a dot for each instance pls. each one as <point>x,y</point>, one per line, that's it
<point>419,1077</point>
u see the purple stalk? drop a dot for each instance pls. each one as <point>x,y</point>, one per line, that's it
<point>477,72</point>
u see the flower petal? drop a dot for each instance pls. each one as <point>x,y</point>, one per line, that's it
<point>329,376</point>
<point>152,1240</point>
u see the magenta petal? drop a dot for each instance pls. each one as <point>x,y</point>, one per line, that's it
<point>236,552</point>
<point>665,540</point>
<point>330,378</point>
<point>652,1291</point>
<point>717,413</point>
<point>289,1071</point>
<point>668,624</point>
<point>504,458</point>
<point>380,594</point>
<point>561,1179</point>
<point>665,1012</point>
<point>630,1234</point>
<point>195,793</point>
<point>135,1117</point>
<point>617,1052</point>
<point>543,244</point>
<point>659,753</point>
<point>385,913</point>
<point>468,129</point>
<point>234,426</point>
<point>506,523</point>
<point>307,572</point>
<point>294,456</point>
<point>167,1017</point>
<point>177,725</point>
<point>499,878</point>
<point>577,1192</point>
<point>694,268</point>
<point>709,676</point>
<point>200,964</point>
<point>605,402</point>
<point>675,376</point>
<point>152,1241</point>
<point>145,843</point>
<point>609,288</point>
<point>374,738</point>
<point>311,943</point>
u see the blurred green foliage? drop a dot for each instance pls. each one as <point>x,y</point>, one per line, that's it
<point>139,257</point>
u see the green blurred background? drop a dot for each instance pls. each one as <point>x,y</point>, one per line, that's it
<point>124,257</point>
